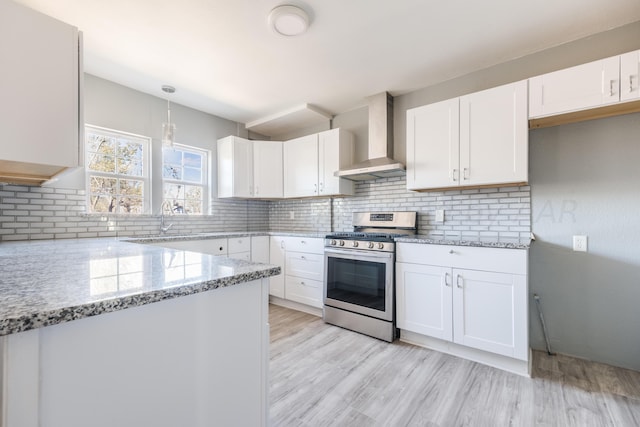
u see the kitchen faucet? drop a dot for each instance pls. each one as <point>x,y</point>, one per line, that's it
<point>164,228</point>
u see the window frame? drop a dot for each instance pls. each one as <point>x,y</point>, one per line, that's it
<point>205,182</point>
<point>146,168</point>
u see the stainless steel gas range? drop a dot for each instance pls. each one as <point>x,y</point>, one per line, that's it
<point>359,284</point>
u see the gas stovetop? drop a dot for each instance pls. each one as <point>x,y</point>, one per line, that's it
<point>374,231</point>
<point>355,235</point>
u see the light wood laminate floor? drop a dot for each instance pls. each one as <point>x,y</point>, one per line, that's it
<point>322,375</point>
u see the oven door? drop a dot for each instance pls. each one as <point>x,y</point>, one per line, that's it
<point>359,281</point>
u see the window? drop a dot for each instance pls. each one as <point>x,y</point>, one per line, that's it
<point>117,171</point>
<point>184,174</point>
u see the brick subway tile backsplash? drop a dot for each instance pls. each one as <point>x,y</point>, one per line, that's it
<point>35,213</point>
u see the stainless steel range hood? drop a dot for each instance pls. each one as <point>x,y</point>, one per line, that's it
<point>380,162</point>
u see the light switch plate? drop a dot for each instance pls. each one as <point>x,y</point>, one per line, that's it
<point>580,243</point>
<point>439,215</point>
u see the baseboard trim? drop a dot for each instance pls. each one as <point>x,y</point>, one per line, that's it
<point>516,366</point>
<point>295,306</point>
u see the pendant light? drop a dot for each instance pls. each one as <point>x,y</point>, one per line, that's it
<point>168,128</point>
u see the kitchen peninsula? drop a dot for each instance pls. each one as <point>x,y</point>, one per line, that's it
<point>104,332</point>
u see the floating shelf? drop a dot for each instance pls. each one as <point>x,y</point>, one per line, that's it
<point>296,118</point>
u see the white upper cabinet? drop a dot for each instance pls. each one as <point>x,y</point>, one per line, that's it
<point>335,151</point>
<point>40,86</point>
<point>310,162</point>
<point>301,166</point>
<point>267,169</point>
<point>249,169</point>
<point>477,139</point>
<point>629,73</point>
<point>577,88</point>
<point>235,167</point>
<point>494,136</point>
<point>433,145</point>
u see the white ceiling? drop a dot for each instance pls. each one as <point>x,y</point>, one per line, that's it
<point>223,58</point>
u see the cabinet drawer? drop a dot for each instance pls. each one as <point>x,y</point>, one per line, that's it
<point>303,244</point>
<point>206,246</point>
<point>214,246</point>
<point>304,291</point>
<point>239,244</point>
<point>305,265</point>
<point>512,261</point>
<point>246,256</point>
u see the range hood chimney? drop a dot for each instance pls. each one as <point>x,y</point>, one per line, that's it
<point>380,162</point>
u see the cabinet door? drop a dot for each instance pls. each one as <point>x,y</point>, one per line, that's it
<point>301,166</point>
<point>267,169</point>
<point>335,151</point>
<point>490,312</point>
<point>235,167</point>
<point>433,146</point>
<point>260,249</point>
<point>40,88</point>
<point>629,73</point>
<point>306,265</point>
<point>276,257</point>
<point>494,136</point>
<point>576,88</point>
<point>304,291</point>
<point>423,299</point>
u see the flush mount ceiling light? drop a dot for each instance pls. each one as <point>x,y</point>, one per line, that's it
<point>168,128</point>
<point>288,20</point>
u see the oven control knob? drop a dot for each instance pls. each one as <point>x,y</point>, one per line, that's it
<point>355,244</point>
<point>332,243</point>
<point>380,245</point>
<point>341,242</point>
<point>370,245</point>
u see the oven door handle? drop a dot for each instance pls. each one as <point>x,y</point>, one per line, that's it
<point>359,254</point>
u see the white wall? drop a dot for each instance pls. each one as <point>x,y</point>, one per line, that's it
<point>113,106</point>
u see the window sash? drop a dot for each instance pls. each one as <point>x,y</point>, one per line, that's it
<point>186,204</point>
<point>119,199</point>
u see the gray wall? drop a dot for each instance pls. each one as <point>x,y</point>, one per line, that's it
<point>585,180</point>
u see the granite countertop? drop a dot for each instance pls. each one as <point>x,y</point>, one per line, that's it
<point>220,235</point>
<point>457,241</point>
<point>54,281</point>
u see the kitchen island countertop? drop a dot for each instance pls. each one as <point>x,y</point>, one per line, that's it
<point>48,282</point>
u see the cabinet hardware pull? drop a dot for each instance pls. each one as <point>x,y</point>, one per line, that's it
<point>282,244</point>
<point>611,87</point>
<point>458,277</point>
<point>454,174</point>
<point>321,187</point>
<point>451,251</point>
<point>631,83</point>
<point>446,282</point>
<point>465,174</point>
<point>303,284</point>
<point>302,257</point>
<point>315,188</point>
<point>304,242</point>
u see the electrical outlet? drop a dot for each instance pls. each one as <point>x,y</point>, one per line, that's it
<point>292,215</point>
<point>439,215</point>
<point>580,243</point>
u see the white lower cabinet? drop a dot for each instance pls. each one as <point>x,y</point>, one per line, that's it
<point>471,296</point>
<point>260,249</point>
<point>240,248</point>
<point>276,257</point>
<point>302,262</point>
<point>423,300</point>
